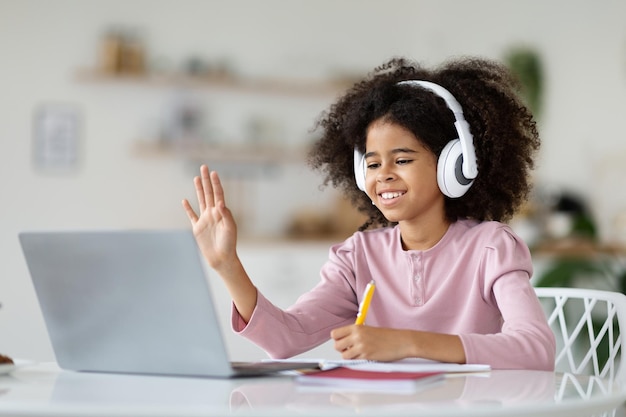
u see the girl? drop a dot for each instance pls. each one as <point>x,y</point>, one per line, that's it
<point>438,160</point>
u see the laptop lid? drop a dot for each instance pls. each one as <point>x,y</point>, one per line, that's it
<point>128,302</point>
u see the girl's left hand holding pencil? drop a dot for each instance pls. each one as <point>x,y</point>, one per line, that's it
<point>358,341</point>
<point>383,344</point>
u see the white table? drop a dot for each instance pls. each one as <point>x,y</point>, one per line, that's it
<point>44,390</point>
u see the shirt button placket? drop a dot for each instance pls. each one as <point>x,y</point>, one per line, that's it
<point>418,281</point>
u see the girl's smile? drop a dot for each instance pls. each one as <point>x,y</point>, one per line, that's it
<point>388,199</point>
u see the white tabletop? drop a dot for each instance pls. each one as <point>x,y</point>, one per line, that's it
<point>44,390</point>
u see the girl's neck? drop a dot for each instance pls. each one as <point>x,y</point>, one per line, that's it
<point>423,236</point>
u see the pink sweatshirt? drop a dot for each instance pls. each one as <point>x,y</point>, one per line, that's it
<point>475,283</point>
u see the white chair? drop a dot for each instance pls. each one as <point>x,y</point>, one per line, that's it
<point>590,328</point>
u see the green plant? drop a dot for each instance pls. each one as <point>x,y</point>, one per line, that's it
<point>567,270</point>
<point>526,64</point>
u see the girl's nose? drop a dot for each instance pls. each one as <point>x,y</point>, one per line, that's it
<point>385,174</point>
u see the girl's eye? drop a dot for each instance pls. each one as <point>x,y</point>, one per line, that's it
<point>373,165</point>
<point>404,161</point>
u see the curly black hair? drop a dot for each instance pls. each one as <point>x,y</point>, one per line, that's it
<point>505,134</point>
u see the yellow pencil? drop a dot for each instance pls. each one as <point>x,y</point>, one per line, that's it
<point>365,302</point>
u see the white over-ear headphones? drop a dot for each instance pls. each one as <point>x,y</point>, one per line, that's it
<point>456,167</point>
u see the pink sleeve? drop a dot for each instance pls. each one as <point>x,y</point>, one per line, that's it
<point>526,341</point>
<point>307,323</point>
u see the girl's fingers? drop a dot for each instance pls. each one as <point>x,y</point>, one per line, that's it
<point>209,193</point>
<point>200,193</point>
<point>340,332</point>
<point>218,190</point>
<point>193,217</point>
<point>207,188</point>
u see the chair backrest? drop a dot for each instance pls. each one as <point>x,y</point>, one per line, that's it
<point>590,330</point>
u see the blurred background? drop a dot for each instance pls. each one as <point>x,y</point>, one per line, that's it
<point>108,107</point>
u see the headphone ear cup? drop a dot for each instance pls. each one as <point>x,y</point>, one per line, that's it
<point>450,176</point>
<point>359,169</point>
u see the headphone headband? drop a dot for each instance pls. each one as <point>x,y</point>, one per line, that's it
<point>470,169</point>
<point>452,103</point>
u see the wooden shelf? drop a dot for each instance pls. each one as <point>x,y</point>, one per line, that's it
<point>227,83</point>
<point>577,248</point>
<point>232,154</point>
<point>256,156</point>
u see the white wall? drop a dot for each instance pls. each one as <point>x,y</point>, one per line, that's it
<point>43,44</point>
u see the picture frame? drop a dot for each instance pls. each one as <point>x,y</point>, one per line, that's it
<point>56,137</point>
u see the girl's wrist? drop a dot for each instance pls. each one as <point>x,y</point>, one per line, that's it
<point>230,269</point>
<point>415,344</point>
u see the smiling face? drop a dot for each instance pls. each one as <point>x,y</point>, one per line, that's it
<point>401,175</point>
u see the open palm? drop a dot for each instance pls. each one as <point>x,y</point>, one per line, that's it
<point>214,227</point>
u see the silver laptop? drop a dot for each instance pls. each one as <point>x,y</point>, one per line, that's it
<point>131,302</point>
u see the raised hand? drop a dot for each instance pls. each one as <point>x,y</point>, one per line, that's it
<point>214,227</point>
<point>216,233</point>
